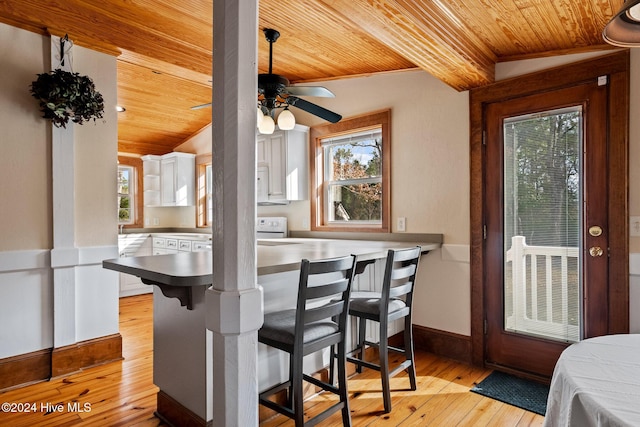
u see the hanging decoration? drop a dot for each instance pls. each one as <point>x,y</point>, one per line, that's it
<point>65,95</point>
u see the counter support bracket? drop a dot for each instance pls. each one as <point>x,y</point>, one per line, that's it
<point>182,293</point>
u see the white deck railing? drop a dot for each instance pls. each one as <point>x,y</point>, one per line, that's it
<point>534,312</point>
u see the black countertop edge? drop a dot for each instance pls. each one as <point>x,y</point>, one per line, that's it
<point>387,237</point>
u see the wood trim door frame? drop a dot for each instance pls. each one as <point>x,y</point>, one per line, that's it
<point>616,67</point>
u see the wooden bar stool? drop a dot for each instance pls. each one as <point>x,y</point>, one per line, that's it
<point>394,302</point>
<point>319,321</point>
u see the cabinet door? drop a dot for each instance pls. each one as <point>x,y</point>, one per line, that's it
<point>262,185</point>
<point>168,170</point>
<point>275,151</point>
<point>261,151</point>
<point>184,180</point>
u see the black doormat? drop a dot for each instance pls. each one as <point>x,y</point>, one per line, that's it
<point>525,394</point>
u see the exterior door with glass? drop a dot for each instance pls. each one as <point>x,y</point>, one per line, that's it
<point>546,225</point>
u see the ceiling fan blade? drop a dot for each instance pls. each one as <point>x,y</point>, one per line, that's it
<point>314,109</point>
<point>197,107</point>
<point>310,91</point>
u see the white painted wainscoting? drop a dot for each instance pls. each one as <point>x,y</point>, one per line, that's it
<point>634,293</point>
<point>26,297</point>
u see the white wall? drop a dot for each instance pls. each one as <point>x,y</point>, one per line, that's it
<point>26,222</point>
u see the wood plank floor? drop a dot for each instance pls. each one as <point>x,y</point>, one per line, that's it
<point>123,394</point>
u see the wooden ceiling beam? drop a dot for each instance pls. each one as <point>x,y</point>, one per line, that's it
<point>428,35</point>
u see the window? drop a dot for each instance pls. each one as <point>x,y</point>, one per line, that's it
<point>126,195</point>
<point>205,192</point>
<point>351,189</point>
<point>353,177</point>
<point>129,190</point>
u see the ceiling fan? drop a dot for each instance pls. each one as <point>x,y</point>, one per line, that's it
<point>274,92</point>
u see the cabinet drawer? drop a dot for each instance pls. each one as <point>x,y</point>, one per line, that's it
<point>184,245</point>
<point>172,244</point>
<point>201,246</point>
<point>159,242</point>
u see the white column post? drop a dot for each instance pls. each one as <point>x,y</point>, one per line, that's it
<point>64,255</point>
<point>234,302</point>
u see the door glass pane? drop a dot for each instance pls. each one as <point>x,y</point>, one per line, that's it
<point>542,222</point>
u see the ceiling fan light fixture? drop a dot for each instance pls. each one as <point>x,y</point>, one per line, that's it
<point>266,126</point>
<point>624,28</point>
<point>286,119</point>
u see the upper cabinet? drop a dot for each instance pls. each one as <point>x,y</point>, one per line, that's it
<point>169,180</point>
<point>283,170</point>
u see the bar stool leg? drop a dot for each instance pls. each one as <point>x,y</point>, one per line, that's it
<point>298,394</point>
<point>342,383</point>
<point>408,351</point>
<point>384,367</point>
<point>362,333</point>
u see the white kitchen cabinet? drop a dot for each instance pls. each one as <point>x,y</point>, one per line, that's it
<point>133,245</point>
<point>169,180</point>
<point>163,246</point>
<point>283,169</point>
<point>151,180</point>
<point>144,244</point>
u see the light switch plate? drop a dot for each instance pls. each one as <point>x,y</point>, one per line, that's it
<point>634,226</point>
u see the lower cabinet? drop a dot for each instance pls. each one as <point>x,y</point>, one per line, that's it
<point>130,245</point>
<point>146,244</point>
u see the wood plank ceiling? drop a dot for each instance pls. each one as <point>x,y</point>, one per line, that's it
<point>164,47</point>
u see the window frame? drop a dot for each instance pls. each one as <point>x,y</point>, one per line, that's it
<point>204,194</point>
<point>319,220</point>
<point>138,190</point>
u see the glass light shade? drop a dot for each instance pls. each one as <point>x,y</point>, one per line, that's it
<point>286,120</point>
<point>260,115</point>
<point>624,28</point>
<point>633,13</point>
<point>266,126</point>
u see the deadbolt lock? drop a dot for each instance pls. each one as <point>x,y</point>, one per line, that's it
<point>595,231</point>
<point>595,251</point>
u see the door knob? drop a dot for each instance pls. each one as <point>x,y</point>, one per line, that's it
<point>595,251</point>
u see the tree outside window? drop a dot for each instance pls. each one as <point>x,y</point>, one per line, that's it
<point>353,177</point>
<point>351,174</point>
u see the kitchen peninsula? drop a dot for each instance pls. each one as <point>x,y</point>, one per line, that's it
<point>183,361</point>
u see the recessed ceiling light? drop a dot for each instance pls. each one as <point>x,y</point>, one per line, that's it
<point>120,108</point>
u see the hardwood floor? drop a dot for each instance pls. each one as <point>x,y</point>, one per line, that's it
<point>122,393</point>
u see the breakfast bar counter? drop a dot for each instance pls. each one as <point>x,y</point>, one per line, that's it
<point>274,256</point>
<point>183,353</point>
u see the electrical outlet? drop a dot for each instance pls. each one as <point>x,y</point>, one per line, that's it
<point>402,224</point>
<point>156,221</point>
<point>634,226</point>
